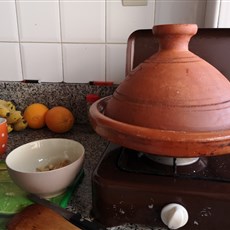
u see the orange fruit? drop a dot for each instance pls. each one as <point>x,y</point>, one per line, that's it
<point>59,119</point>
<point>34,114</point>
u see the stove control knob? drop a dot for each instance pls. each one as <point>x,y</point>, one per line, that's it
<point>174,216</point>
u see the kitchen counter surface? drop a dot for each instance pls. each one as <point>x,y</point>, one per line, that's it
<point>94,146</point>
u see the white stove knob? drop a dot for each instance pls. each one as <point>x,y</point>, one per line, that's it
<point>174,216</point>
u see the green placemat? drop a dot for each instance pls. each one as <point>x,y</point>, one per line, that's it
<point>12,198</point>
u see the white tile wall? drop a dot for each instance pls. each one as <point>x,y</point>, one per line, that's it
<point>8,21</point>
<point>115,63</point>
<point>38,21</point>
<point>123,20</point>
<point>42,61</point>
<point>180,11</point>
<point>83,21</point>
<point>10,64</point>
<point>79,41</point>
<point>224,18</point>
<point>84,62</point>
<point>212,13</point>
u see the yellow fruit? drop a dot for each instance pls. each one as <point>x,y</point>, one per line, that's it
<point>9,128</point>
<point>34,114</point>
<point>4,111</point>
<point>8,104</point>
<point>20,125</point>
<point>14,117</point>
<point>59,119</point>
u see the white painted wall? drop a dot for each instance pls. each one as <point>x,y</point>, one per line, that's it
<point>79,41</point>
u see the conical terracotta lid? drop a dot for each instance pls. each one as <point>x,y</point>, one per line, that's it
<point>173,95</point>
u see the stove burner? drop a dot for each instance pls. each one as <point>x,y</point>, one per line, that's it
<point>172,161</point>
<point>214,168</point>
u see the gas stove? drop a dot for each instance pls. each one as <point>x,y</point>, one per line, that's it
<point>170,165</point>
<point>129,187</point>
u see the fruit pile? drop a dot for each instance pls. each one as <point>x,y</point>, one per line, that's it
<point>15,119</point>
<point>58,119</point>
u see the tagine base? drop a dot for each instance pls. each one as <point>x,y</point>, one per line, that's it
<point>161,142</point>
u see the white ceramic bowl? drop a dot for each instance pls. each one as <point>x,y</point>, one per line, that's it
<point>22,164</point>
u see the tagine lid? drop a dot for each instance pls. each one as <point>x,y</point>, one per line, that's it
<point>174,99</point>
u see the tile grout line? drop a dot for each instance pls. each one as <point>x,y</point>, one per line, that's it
<point>19,39</point>
<point>106,45</point>
<point>61,37</point>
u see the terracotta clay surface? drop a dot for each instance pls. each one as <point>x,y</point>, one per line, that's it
<point>174,89</point>
<point>173,104</point>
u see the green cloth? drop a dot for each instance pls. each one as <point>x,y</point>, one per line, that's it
<point>12,198</point>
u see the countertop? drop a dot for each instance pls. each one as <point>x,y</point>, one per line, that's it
<point>81,200</point>
<point>72,96</point>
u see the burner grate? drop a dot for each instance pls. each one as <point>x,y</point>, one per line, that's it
<point>216,168</point>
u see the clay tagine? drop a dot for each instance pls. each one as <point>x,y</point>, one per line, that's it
<point>173,104</point>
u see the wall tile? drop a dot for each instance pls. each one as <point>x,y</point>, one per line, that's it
<point>116,60</point>
<point>224,17</point>
<point>123,20</point>
<point>79,41</point>
<point>83,21</point>
<point>42,61</point>
<point>174,11</point>
<point>10,62</point>
<point>8,21</point>
<point>39,20</point>
<point>84,62</point>
<point>212,10</point>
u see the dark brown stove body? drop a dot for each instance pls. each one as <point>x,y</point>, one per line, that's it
<point>130,188</point>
